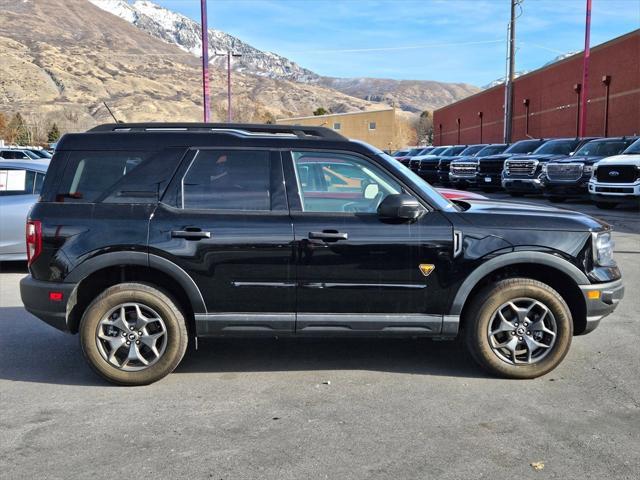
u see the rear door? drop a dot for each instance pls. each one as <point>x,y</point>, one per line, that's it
<point>225,221</point>
<point>356,272</point>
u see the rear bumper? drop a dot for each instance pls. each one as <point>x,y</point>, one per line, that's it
<point>608,298</point>
<point>35,296</point>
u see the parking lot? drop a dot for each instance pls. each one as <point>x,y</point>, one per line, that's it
<point>337,409</point>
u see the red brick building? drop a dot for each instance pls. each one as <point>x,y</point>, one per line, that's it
<point>546,101</point>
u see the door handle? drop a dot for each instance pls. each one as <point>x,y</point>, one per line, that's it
<point>190,234</point>
<point>328,236</point>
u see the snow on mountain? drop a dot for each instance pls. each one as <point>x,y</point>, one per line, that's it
<point>186,34</point>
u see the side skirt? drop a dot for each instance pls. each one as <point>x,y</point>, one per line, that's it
<point>326,324</point>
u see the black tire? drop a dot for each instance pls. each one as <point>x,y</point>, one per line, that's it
<point>516,194</point>
<point>606,205</point>
<point>149,296</point>
<point>480,312</point>
<point>556,199</point>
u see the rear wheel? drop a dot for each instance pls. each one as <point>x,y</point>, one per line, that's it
<point>606,205</point>
<point>133,334</point>
<point>518,328</point>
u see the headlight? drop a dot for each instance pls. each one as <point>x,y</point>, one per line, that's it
<point>544,168</point>
<point>603,249</point>
<point>587,168</point>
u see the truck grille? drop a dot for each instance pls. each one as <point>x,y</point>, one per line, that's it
<point>491,166</point>
<point>520,167</point>
<point>414,165</point>
<point>464,169</point>
<point>617,173</point>
<point>564,171</point>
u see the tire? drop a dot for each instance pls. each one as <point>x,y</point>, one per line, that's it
<point>557,199</point>
<point>606,205</point>
<point>483,315</point>
<point>164,329</point>
<point>516,194</point>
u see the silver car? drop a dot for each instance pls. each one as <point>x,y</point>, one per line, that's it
<point>20,185</point>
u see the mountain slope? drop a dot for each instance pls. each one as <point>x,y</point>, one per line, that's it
<point>171,27</point>
<point>62,58</point>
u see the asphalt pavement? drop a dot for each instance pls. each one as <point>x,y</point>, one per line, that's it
<point>318,408</point>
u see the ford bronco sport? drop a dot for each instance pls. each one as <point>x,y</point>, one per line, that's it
<point>147,236</point>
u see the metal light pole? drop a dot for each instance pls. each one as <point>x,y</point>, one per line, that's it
<point>228,55</point>
<point>508,108</point>
<point>585,70</point>
<point>205,61</point>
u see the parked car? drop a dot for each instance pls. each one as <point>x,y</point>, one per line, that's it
<point>616,179</point>
<point>428,165</point>
<point>489,174</point>
<point>414,163</point>
<point>523,173</point>
<point>453,194</point>
<point>405,155</point>
<point>568,177</point>
<point>20,185</point>
<point>17,154</point>
<point>463,170</point>
<point>445,162</point>
<point>148,235</point>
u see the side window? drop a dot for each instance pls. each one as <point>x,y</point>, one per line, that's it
<point>37,188</point>
<point>16,182</point>
<point>228,180</point>
<point>336,182</point>
<point>88,175</point>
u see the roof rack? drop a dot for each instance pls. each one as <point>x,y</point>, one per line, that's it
<point>241,129</point>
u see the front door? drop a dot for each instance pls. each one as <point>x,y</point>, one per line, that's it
<point>225,221</point>
<point>357,272</point>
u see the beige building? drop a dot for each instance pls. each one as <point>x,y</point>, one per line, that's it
<point>384,129</point>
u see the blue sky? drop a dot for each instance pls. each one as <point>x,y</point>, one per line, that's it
<point>444,40</point>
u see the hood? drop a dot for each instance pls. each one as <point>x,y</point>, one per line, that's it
<point>581,159</point>
<point>524,216</point>
<point>628,159</point>
<point>542,157</point>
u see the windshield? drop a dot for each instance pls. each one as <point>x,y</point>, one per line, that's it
<point>472,150</point>
<point>400,153</point>
<point>31,155</point>
<point>524,146</point>
<point>558,147</point>
<point>452,151</point>
<point>634,148</point>
<point>603,148</point>
<point>491,150</point>
<point>437,151</point>
<point>41,153</point>
<point>426,151</point>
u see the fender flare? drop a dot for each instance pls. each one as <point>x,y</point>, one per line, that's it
<point>113,259</point>
<point>514,258</point>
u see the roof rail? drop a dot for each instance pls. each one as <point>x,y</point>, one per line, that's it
<point>247,129</point>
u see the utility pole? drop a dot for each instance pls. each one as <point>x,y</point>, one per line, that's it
<point>228,54</point>
<point>205,61</point>
<point>585,71</point>
<point>508,107</point>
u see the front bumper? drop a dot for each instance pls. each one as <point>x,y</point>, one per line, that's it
<point>35,296</point>
<point>462,179</point>
<point>488,179</point>
<point>526,185</point>
<point>615,192</point>
<point>601,300</point>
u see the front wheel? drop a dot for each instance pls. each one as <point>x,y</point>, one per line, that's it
<point>133,334</point>
<point>518,328</point>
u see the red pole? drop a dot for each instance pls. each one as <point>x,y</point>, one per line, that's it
<point>585,71</point>
<point>205,61</point>
<point>229,116</point>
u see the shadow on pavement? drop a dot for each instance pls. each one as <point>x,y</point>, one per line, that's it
<point>14,267</point>
<point>31,351</point>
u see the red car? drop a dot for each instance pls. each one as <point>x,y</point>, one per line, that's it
<point>453,194</point>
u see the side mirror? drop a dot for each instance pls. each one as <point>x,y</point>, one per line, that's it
<point>400,206</point>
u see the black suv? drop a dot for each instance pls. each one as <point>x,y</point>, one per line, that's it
<point>148,235</point>
<point>428,167</point>
<point>569,176</point>
<point>523,173</point>
<point>489,172</point>
<point>444,165</point>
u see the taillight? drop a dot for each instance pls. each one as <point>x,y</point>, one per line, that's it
<point>34,240</point>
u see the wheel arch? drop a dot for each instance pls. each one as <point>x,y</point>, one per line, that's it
<point>101,272</point>
<point>556,272</point>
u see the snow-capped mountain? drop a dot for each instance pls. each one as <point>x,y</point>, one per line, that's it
<point>186,33</point>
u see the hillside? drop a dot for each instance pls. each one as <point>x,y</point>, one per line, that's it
<point>62,58</point>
